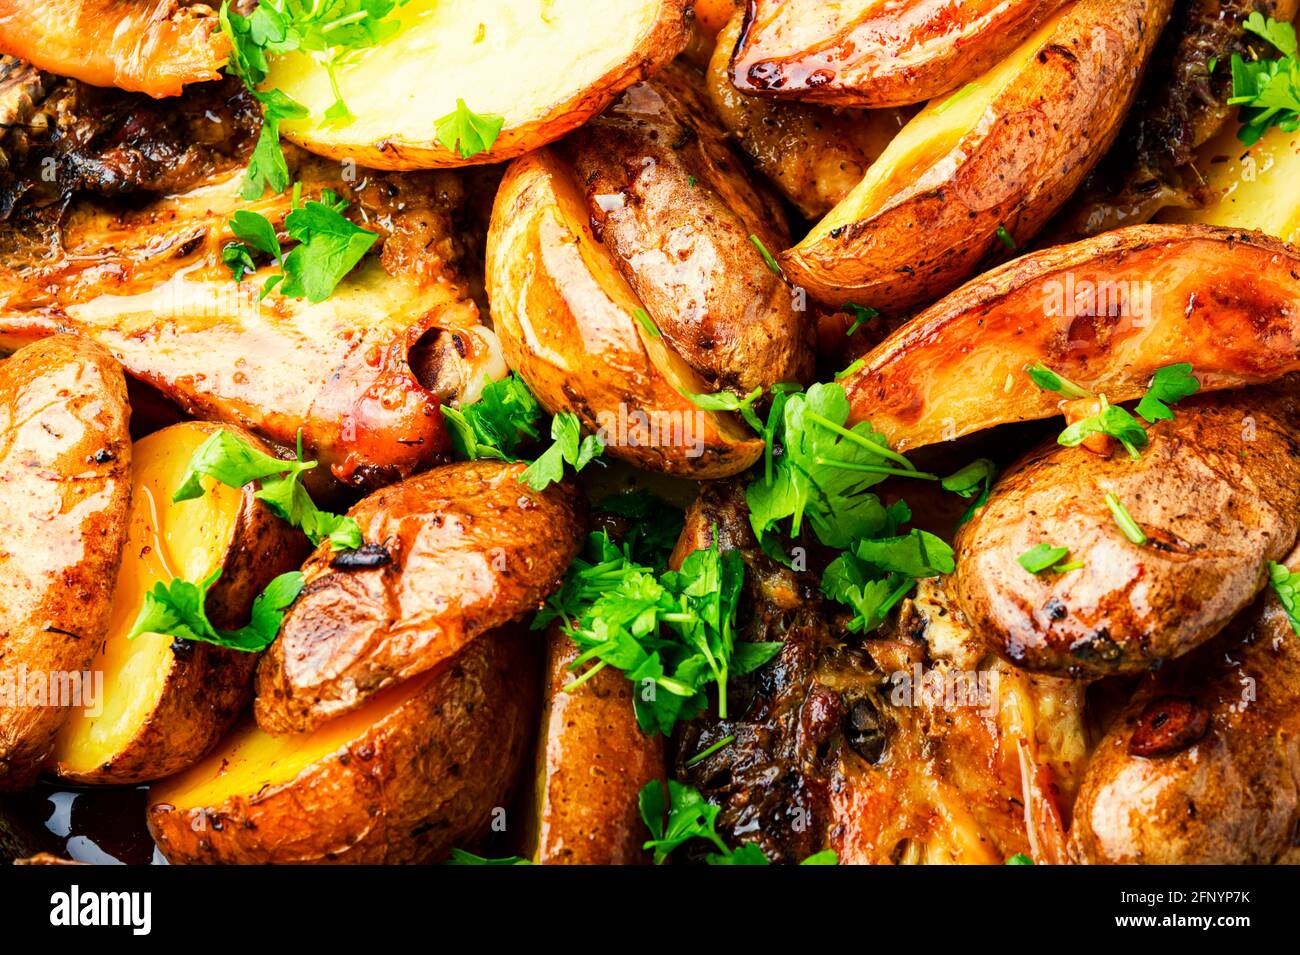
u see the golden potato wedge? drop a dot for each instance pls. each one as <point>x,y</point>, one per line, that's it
<point>1250,187</point>
<point>567,322</point>
<point>873,53</point>
<point>450,554</point>
<point>592,761</point>
<point>1202,767</point>
<point>149,284</point>
<point>1105,313</point>
<point>166,702</point>
<point>1217,492</point>
<point>686,227</point>
<point>543,66</point>
<point>155,47</point>
<point>412,774</point>
<point>986,166</point>
<point>814,155</point>
<point>65,466</point>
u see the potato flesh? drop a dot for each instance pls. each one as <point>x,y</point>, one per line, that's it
<point>1252,188</point>
<point>251,760</point>
<point>518,59</point>
<point>164,541</point>
<point>930,138</point>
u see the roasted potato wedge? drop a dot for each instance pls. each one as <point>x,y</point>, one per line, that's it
<point>1249,187</point>
<point>872,53</point>
<point>592,760</point>
<point>1217,493</point>
<point>687,228</point>
<point>167,702</point>
<point>567,322</point>
<point>65,463</point>
<point>154,47</point>
<point>149,284</point>
<point>405,778</point>
<point>986,166</point>
<point>450,554</point>
<point>1105,313</point>
<point>813,155</point>
<point>1202,768</point>
<point>543,66</point>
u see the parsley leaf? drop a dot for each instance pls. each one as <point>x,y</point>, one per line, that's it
<point>1287,587</point>
<point>1043,557</point>
<point>1267,91</point>
<point>823,472</point>
<point>267,168</point>
<point>230,460</point>
<point>671,632</point>
<point>1049,380</point>
<point>1113,421</point>
<point>569,447</point>
<point>861,315</point>
<point>875,574</point>
<point>1019,859</point>
<point>1169,385</point>
<point>178,610</point>
<point>461,857</point>
<point>729,401</point>
<point>329,247</point>
<point>975,480</point>
<point>655,526</point>
<point>467,132</point>
<point>691,816</point>
<point>505,415</point>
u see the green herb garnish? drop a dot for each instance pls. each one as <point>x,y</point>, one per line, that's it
<point>1287,587</point>
<point>1042,557</point>
<point>1125,520</point>
<point>461,857</point>
<point>1267,91</point>
<point>230,460</point>
<point>1168,386</point>
<point>875,574</point>
<point>569,447</point>
<point>177,609</point>
<point>468,133</point>
<point>767,256</point>
<point>504,417</point>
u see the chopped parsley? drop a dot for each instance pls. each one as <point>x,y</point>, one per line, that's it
<point>1019,859</point>
<point>505,416</point>
<point>177,609</point>
<point>1112,421</point>
<point>975,481</point>
<point>1287,587</point>
<point>569,447</point>
<point>1044,557</point>
<point>329,247</point>
<point>861,315</point>
<point>767,256</point>
<point>822,473</point>
<point>1168,386</point>
<point>688,815</point>
<point>1130,527</point>
<point>729,401</point>
<point>1267,91</point>
<point>466,132</point>
<point>671,632</point>
<point>461,857</point>
<point>875,574</point>
<point>230,460</point>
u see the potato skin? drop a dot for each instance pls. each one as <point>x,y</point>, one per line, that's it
<point>866,53</point>
<point>1228,796</point>
<point>468,548</point>
<point>206,686</point>
<point>566,321</point>
<point>65,466</point>
<point>670,200</point>
<point>932,222</point>
<point>813,155</point>
<point>1218,494</point>
<point>1225,300</point>
<point>592,762</point>
<point>419,782</point>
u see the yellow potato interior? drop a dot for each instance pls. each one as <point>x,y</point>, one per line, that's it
<point>164,541</point>
<point>520,59</point>
<point>1252,187</point>
<point>250,760</point>
<point>931,137</point>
